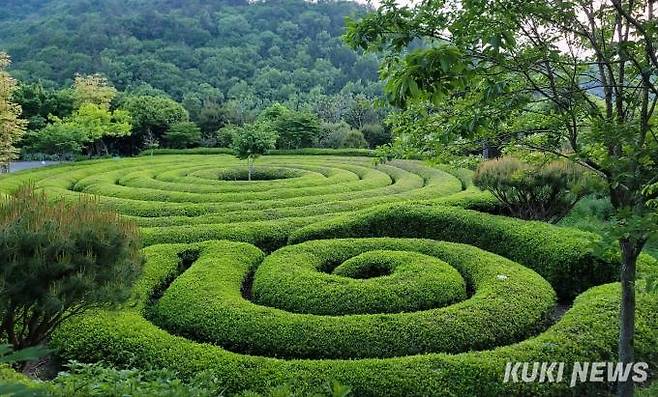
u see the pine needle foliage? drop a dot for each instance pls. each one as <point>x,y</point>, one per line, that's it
<point>58,260</point>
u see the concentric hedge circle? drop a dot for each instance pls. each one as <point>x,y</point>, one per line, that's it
<point>342,270</point>
<point>189,198</point>
<point>259,174</point>
<point>567,258</point>
<point>587,332</point>
<point>205,303</point>
<point>377,281</point>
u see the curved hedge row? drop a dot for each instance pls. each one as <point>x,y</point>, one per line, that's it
<point>187,198</point>
<point>275,152</point>
<point>205,303</point>
<point>359,295</point>
<point>567,258</point>
<point>319,280</point>
<point>587,332</point>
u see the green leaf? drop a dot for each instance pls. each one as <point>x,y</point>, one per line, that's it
<point>28,354</point>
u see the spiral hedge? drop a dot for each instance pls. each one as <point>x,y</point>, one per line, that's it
<point>188,198</point>
<point>331,268</point>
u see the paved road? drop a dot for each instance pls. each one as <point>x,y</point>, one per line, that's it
<point>26,165</point>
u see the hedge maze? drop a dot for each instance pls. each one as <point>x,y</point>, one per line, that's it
<point>324,268</point>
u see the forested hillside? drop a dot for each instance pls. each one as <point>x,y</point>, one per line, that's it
<point>194,51</point>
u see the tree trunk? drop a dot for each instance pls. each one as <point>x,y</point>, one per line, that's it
<point>133,143</point>
<point>98,148</point>
<point>250,161</point>
<point>106,149</point>
<point>490,151</point>
<point>629,252</point>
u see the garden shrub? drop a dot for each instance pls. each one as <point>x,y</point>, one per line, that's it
<point>341,136</point>
<point>567,258</point>
<point>539,192</point>
<point>354,139</point>
<point>509,310</point>
<point>99,380</point>
<point>224,136</point>
<point>586,332</point>
<point>55,140</point>
<point>58,261</point>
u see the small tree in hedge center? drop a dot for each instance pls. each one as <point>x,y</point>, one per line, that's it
<point>253,141</point>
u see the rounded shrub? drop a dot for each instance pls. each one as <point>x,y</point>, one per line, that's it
<point>540,192</point>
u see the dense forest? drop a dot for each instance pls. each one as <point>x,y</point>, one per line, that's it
<point>275,50</point>
<point>224,62</point>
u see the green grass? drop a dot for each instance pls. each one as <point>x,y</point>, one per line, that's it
<point>594,214</point>
<point>649,391</point>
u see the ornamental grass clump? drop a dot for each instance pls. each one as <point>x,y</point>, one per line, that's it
<point>534,192</point>
<point>60,259</point>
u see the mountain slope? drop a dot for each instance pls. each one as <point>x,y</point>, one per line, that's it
<point>271,51</point>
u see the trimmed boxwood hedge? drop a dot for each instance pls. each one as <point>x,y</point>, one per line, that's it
<point>280,152</point>
<point>289,325</point>
<point>314,281</point>
<point>567,258</point>
<point>149,188</point>
<point>587,332</point>
<point>176,198</point>
<point>205,303</point>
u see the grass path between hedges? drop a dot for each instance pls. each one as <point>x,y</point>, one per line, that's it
<point>593,214</point>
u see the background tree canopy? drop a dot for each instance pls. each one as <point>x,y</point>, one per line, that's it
<point>195,51</point>
<point>171,61</point>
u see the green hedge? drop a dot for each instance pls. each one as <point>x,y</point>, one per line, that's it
<point>205,303</point>
<point>180,199</point>
<point>567,258</point>
<point>587,332</point>
<point>280,152</point>
<point>155,187</point>
<point>371,182</point>
<point>327,280</point>
<point>206,181</point>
